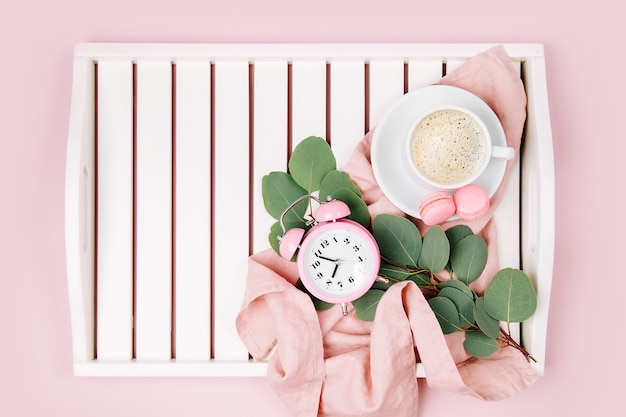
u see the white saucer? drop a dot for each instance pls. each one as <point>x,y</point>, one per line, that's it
<point>396,179</point>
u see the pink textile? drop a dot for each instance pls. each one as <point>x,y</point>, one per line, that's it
<point>329,365</point>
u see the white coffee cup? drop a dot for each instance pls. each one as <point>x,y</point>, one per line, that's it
<point>450,146</point>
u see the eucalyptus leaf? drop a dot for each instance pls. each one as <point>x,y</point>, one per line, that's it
<point>275,232</point>
<point>456,233</point>
<point>398,239</point>
<point>468,258</point>
<point>435,250</point>
<point>311,160</point>
<point>461,286</point>
<point>463,303</point>
<point>317,303</point>
<point>447,314</point>
<point>279,190</point>
<point>479,344</point>
<point>365,306</point>
<point>335,180</point>
<point>394,272</point>
<point>398,273</point>
<point>486,323</point>
<point>358,209</point>
<point>421,279</point>
<point>510,296</point>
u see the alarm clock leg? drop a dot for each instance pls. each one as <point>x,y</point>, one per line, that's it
<point>344,309</point>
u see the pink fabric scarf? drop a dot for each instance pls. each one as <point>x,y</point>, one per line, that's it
<point>329,365</point>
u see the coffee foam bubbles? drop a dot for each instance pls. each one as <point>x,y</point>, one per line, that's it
<point>448,147</point>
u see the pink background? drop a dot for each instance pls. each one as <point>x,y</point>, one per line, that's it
<point>584,46</point>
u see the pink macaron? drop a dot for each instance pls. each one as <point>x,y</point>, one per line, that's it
<point>436,208</point>
<point>471,201</point>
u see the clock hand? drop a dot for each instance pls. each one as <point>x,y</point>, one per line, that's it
<point>327,259</point>
<point>335,270</point>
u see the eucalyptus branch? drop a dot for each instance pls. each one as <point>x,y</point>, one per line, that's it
<point>511,342</point>
<point>433,280</point>
<point>406,268</point>
<point>390,278</point>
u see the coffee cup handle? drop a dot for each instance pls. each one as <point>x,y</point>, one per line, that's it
<point>502,152</point>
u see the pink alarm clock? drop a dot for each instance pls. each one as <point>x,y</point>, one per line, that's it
<point>338,259</point>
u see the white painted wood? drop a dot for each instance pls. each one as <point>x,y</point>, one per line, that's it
<point>386,85</point>
<point>308,98</point>
<point>115,210</point>
<point>347,107</point>
<point>507,215</point>
<point>423,72</point>
<point>507,220</point>
<point>177,368</point>
<point>296,51</point>
<point>172,368</point>
<point>80,210</point>
<point>454,63</point>
<point>193,210</point>
<point>270,138</point>
<point>153,210</point>
<point>537,206</point>
<point>536,176</point>
<point>231,204</point>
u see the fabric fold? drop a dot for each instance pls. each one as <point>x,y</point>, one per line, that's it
<point>276,313</point>
<point>329,365</point>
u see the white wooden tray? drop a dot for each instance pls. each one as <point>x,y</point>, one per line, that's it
<point>167,147</point>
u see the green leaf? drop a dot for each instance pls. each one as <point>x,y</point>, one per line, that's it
<point>486,323</point>
<point>463,303</point>
<point>435,250</point>
<point>336,180</point>
<point>279,190</point>
<point>311,160</point>
<point>468,258</point>
<point>421,279</point>
<point>398,273</point>
<point>479,344</point>
<point>446,313</point>
<point>455,283</point>
<point>358,209</point>
<point>275,232</point>
<point>394,272</point>
<point>510,296</point>
<point>456,233</point>
<point>365,306</point>
<point>317,303</point>
<point>398,239</point>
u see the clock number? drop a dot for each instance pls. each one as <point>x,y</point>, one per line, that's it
<point>315,264</point>
<point>356,248</point>
<point>346,241</point>
<point>329,282</point>
<point>324,243</point>
<point>340,284</point>
<point>351,280</point>
<point>320,275</point>
<point>318,253</point>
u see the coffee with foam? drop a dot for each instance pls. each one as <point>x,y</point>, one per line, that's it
<point>449,147</point>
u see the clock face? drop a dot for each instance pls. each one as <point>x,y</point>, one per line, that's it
<point>339,261</point>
